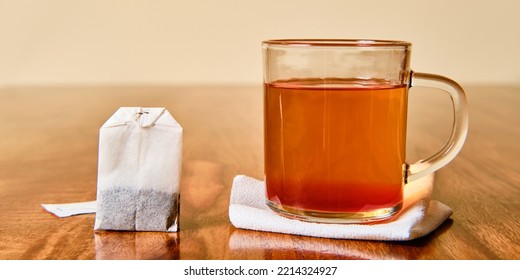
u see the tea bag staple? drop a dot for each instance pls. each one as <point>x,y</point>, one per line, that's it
<point>139,168</point>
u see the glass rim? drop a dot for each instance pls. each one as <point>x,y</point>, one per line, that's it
<point>336,43</point>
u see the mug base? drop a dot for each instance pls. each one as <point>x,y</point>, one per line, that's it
<point>361,217</point>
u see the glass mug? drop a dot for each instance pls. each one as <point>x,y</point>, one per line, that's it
<point>335,114</point>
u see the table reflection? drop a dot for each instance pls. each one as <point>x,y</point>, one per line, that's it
<point>264,245</point>
<point>136,245</point>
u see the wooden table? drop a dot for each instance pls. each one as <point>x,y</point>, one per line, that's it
<point>48,154</point>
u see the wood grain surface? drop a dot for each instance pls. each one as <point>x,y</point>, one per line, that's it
<point>48,154</point>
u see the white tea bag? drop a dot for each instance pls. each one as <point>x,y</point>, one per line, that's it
<point>139,169</point>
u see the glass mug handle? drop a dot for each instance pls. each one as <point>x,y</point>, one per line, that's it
<point>459,129</point>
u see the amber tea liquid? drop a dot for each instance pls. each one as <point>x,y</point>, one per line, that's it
<point>335,148</point>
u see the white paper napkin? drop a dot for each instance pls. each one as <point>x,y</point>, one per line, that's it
<point>421,215</point>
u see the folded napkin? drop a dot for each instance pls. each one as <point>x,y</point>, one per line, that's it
<point>420,215</point>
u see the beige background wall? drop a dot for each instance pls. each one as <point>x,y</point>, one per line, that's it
<point>218,42</point>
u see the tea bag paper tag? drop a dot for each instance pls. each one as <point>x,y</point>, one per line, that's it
<point>71,209</point>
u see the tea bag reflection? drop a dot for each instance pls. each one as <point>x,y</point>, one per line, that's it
<point>140,152</point>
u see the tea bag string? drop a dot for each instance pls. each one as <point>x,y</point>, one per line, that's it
<point>147,117</point>
<point>140,113</point>
<point>138,118</point>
